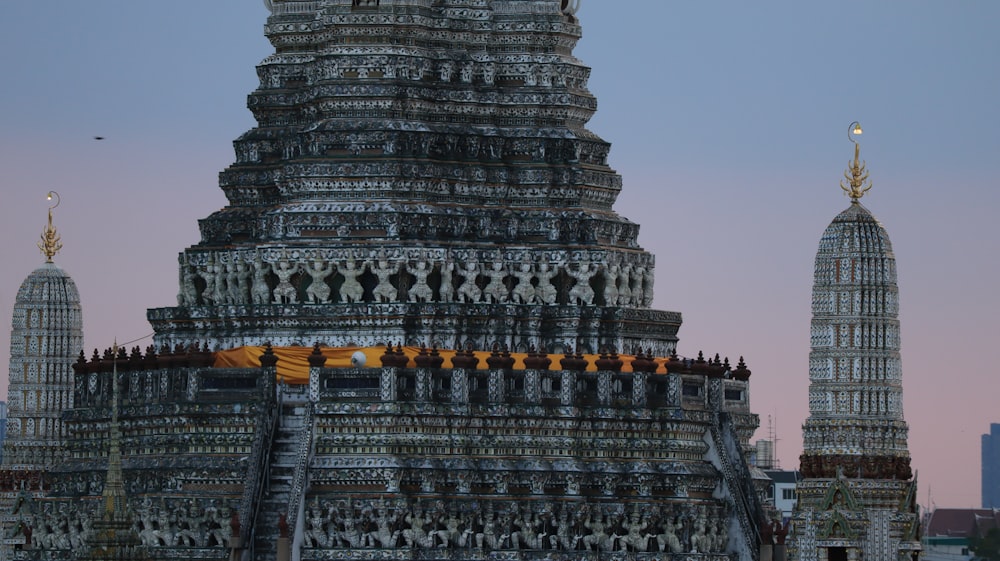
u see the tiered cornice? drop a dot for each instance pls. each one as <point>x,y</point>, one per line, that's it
<point>416,152</point>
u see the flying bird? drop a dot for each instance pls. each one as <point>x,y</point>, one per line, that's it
<point>98,138</point>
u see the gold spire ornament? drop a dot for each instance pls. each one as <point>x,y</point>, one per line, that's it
<point>51,242</point>
<point>856,175</point>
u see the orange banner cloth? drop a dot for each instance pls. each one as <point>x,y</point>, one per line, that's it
<point>293,362</point>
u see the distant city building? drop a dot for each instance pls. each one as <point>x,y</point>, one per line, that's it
<point>857,496</point>
<point>782,492</point>
<point>949,532</point>
<point>764,454</point>
<point>991,467</point>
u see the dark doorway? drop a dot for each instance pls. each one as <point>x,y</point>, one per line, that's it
<point>836,554</point>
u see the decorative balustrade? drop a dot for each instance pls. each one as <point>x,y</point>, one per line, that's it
<point>188,375</point>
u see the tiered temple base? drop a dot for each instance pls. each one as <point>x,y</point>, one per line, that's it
<point>416,459</point>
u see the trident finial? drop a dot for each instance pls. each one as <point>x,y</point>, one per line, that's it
<point>51,243</point>
<point>856,175</point>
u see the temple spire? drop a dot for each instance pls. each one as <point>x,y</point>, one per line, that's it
<point>116,538</point>
<point>51,242</point>
<point>115,508</point>
<point>856,175</point>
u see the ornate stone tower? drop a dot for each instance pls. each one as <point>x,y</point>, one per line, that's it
<point>114,537</point>
<point>857,497</point>
<point>421,172</point>
<point>46,335</point>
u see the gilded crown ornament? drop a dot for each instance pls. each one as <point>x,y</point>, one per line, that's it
<point>856,175</point>
<point>51,243</point>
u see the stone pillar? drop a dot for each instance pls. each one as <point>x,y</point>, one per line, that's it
<point>604,379</point>
<point>639,388</point>
<point>496,386</point>
<point>269,366</point>
<point>532,387</point>
<point>674,385</point>
<point>387,384</point>
<point>316,362</point>
<point>567,387</point>
<point>422,389</point>
<point>716,394</point>
<point>460,385</point>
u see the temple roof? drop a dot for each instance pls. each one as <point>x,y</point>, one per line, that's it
<point>48,284</point>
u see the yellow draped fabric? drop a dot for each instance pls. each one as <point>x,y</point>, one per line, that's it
<point>293,362</point>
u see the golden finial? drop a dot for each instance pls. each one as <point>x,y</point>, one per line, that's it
<point>51,243</point>
<point>856,175</point>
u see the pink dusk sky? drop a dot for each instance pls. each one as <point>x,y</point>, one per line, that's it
<point>728,121</point>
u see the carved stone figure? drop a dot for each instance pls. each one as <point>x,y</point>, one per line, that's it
<point>384,291</point>
<point>447,290</point>
<point>315,535</point>
<point>232,284</point>
<point>351,290</point>
<point>636,539</point>
<point>285,292</point>
<point>545,290</point>
<point>261,291</point>
<point>598,539</point>
<point>385,534</point>
<point>610,274</point>
<point>420,291</point>
<point>242,293</point>
<point>468,291</point>
<point>699,540</point>
<point>625,286</point>
<point>207,273</point>
<point>637,280</point>
<point>668,540</point>
<point>188,295</point>
<point>318,291</point>
<point>495,290</point>
<point>416,535</point>
<point>648,281</point>
<point>350,534</point>
<point>524,291</point>
<point>582,293</point>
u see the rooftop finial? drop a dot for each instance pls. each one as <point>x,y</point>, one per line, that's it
<point>51,243</point>
<point>856,175</point>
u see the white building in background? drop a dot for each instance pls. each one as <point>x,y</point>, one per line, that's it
<point>782,491</point>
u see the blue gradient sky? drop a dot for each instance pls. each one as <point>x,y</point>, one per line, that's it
<point>728,122</point>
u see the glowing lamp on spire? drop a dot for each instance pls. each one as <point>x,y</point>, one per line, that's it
<point>51,243</point>
<point>856,175</point>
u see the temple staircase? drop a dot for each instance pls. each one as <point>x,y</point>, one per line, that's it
<point>289,455</point>
<point>728,459</point>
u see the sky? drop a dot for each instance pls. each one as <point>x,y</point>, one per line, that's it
<point>728,122</point>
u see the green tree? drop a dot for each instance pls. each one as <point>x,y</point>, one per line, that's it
<point>988,546</point>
